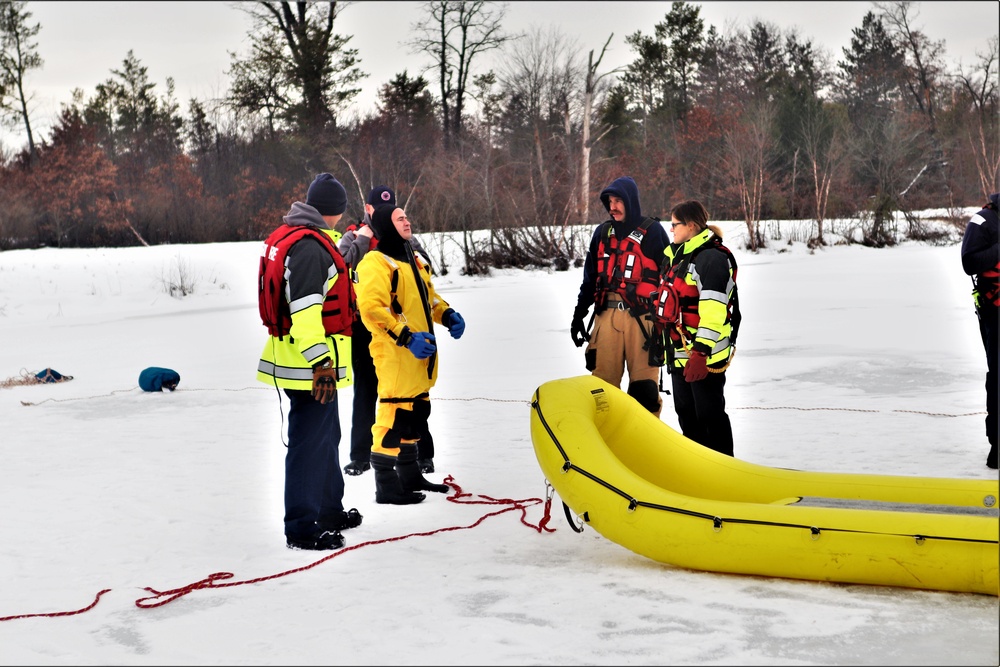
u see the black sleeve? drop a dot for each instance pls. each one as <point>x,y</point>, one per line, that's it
<point>588,288</point>
<point>308,267</point>
<point>979,244</point>
<point>713,269</point>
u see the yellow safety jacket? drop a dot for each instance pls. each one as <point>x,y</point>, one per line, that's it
<point>390,307</point>
<point>287,362</point>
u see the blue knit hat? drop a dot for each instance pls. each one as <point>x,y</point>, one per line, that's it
<point>327,195</point>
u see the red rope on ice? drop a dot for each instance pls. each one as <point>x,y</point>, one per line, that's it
<point>220,579</point>
<point>53,614</point>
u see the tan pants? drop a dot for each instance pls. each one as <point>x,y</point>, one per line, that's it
<point>616,343</point>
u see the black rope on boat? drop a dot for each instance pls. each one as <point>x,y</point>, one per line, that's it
<point>717,521</point>
<point>569,519</point>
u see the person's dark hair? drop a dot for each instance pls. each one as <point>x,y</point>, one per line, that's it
<point>691,211</point>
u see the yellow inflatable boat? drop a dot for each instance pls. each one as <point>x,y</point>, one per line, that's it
<point>646,487</point>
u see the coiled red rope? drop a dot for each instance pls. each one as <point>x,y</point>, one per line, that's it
<point>221,579</point>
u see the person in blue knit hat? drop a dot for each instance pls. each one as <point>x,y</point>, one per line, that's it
<point>306,301</point>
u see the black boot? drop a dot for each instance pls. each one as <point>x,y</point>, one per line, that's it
<point>388,489</point>
<point>409,472</point>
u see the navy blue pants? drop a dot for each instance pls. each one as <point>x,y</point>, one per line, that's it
<point>988,325</point>
<point>701,410</point>
<point>366,399</point>
<point>314,482</point>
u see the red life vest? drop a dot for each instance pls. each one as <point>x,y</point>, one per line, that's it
<point>623,269</point>
<point>988,285</point>
<point>338,306</point>
<point>677,301</point>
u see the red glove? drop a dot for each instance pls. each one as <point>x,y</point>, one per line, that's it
<point>697,367</point>
<point>324,381</point>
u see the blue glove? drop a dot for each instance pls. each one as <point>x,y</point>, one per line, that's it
<point>421,344</point>
<point>454,322</point>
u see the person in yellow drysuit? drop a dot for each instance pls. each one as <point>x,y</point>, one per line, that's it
<point>399,306</point>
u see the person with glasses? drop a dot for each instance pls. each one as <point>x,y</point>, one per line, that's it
<point>698,311</point>
<point>620,274</point>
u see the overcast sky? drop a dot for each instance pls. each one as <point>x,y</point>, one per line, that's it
<point>82,42</point>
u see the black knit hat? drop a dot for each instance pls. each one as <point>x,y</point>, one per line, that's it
<point>327,195</point>
<point>380,195</point>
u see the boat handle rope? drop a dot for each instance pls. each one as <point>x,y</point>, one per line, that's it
<point>717,521</point>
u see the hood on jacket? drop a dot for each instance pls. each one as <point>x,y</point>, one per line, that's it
<point>625,189</point>
<point>389,240</point>
<point>304,214</point>
<point>993,199</point>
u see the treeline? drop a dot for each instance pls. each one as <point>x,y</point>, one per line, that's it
<point>758,124</point>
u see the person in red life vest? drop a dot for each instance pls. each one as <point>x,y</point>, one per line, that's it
<point>306,301</point>
<point>356,242</point>
<point>399,306</point>
<point>980,259</point>
<point>700,319</point>
<point>620,273</point>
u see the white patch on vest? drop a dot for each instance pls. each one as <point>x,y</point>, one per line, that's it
<point>629,265</point>
<point>977,219</point>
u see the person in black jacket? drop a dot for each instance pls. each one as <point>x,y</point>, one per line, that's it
<point>620,274</point>
<point>981,260</point>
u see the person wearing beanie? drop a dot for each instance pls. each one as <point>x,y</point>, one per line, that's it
<point>306,302</point>
<point>398,304</point>
<point>356,242</point>
<point>327,195</point>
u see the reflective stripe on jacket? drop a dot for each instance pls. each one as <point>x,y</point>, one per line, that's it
<point>311,274</point>
<point>704,287</point>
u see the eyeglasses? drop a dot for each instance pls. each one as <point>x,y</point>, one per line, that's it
<point>676,224</point>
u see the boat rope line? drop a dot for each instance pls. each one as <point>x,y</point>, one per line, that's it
<point>717,521</point>
<point>216,580</point>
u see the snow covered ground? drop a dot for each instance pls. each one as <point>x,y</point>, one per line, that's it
<point>106,487</point>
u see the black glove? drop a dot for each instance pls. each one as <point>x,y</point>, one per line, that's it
<point>454,322</point>
<point>578,330</point>
<point>324,381</point>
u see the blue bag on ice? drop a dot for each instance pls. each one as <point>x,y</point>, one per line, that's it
<point>158,379</point>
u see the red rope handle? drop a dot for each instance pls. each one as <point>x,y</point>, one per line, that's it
<point>221,579</point>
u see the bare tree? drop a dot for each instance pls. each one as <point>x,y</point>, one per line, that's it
<point>923,67</point>
<point>590,90</point>
<point>453,33</point>
<point>822,136</point>
<point>748,146</point>
<point>540,74</point>
<point>18,56</point>
<point>980,83</point>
